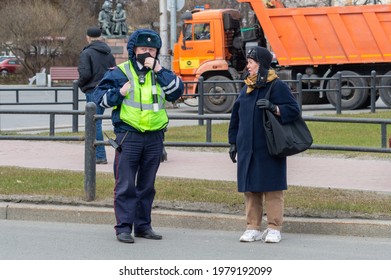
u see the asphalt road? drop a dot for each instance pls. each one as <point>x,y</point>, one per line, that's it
<point>26,240</point>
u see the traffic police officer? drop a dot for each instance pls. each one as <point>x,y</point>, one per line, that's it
<point>137,91</point>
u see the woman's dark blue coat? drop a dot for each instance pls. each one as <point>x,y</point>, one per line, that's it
<point>257,171</point>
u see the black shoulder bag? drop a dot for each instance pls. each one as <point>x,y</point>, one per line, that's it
<point>285,139</point>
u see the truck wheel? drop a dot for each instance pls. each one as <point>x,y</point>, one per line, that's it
<point>217,103</point>
<point>385,93</point>
<point>354,96</point>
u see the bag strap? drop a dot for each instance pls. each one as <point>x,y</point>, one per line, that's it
<point>267,96</point>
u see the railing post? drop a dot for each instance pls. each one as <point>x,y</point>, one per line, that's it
<point>373,91</point>
<point>51,124</point>
<point>384,135</point>
<point>75,118</point>
<point>17,96</point>
<point>201,99</point>
<point>339,94</point>
<point>300,90</point>
<point>209,130</point>
<point>89,152</point>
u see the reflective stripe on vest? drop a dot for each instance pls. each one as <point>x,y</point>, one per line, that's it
<point>137,107</point>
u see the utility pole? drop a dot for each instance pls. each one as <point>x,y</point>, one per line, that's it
<point>173,22</point>
<point>165,58</point>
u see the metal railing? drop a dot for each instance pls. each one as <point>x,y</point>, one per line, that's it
<point>373,87</point>
<point>74,101</point>
<point>209,143</point>
<point>52,118</point>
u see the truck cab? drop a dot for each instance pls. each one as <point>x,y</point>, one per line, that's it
<point>210,47</point>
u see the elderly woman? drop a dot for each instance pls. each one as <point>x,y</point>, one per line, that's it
<point>261,177</point>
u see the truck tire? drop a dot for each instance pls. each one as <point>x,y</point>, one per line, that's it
<point>385,93</point>
<point>219,103</point>
<point>353,95</point>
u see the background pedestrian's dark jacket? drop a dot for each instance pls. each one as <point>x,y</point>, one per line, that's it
<point>257,170</point>
<point>95,60</point>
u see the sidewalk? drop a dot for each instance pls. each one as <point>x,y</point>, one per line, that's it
<point>303,170</point>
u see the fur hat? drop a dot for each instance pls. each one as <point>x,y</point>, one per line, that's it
<point>264,58</point>
<point>94,32</point>
<point>149,39</point>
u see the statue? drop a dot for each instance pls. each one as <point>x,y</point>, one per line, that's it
<point>119,18</point>
<point>112,23</point>
<point>104,18</point>
<point>109,3</point>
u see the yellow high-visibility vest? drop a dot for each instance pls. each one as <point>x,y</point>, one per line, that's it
<point>137,106</point>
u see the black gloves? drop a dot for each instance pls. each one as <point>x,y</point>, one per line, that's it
<point>266,104</point>
<point>232,152</point>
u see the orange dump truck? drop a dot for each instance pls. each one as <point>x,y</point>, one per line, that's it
<point>317,42</point>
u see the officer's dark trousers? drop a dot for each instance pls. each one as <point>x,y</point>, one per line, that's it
<point>135,170</point>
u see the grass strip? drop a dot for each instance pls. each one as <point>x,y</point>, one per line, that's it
<point>304,200</point>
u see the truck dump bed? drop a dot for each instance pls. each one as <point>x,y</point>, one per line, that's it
<point>327,35</point>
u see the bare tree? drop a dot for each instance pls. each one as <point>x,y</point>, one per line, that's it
<point>42,33</point>
<point>142,14</point>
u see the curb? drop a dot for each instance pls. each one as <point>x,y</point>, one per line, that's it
<point>193,220</point>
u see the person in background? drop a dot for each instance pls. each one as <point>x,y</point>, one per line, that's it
<point>95,59</point>
<point>205,34</point>
<point>137,90</point>
<point>261,177</point>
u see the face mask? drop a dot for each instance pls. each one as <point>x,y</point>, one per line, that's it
<point>141,57</point>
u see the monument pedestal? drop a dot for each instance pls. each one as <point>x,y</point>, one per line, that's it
<point>118,48</point>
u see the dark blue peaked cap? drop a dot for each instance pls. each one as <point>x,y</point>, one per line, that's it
<point>148,40</point>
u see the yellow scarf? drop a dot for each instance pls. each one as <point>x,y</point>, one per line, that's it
<point>251,81</point>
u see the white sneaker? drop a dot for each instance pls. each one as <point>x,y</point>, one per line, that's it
<point>251,235</point>
<point>271,236</point>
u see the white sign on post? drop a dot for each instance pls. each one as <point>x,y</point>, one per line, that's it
<point>179,5</point>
